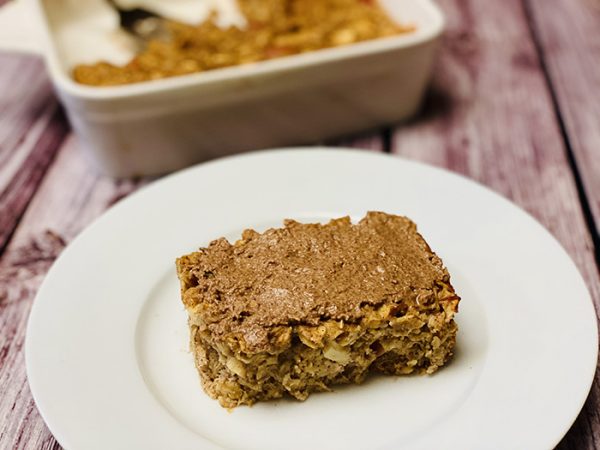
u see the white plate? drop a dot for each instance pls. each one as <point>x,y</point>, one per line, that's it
<point>106,349</point>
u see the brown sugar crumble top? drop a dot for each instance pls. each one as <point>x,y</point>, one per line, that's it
<point>274,28</point>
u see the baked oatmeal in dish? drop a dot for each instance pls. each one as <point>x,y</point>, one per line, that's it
<point>274,28</point>
<point>301,308</point>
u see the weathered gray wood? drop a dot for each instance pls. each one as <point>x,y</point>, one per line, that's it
<point>31,131</point>
<point>490,117</point>
<point>71,195</point>
<point>568,33</point>
<point>373,141</point>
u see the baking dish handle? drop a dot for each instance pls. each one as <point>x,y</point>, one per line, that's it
<point>17,30</point>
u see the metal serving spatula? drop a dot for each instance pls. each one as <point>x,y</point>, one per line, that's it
<point>141,23</point>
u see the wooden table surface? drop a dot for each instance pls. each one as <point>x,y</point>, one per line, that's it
<point>514,104</point>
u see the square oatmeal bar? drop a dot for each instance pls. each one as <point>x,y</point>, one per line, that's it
<point>298,309</point>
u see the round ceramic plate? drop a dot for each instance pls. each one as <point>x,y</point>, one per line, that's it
<point>107,343</point>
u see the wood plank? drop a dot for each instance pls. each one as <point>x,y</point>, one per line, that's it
<point>567,32</point>
<point>31,131</point>
<point>490,116</point>
<point>374,141</point>
<point>71,195</point>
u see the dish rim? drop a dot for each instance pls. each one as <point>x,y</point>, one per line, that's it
<point>241,73</point>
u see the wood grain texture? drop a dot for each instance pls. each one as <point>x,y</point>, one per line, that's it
<point>568,33</point>
<point>69,198</point>
<point>374,141</point>
<point>490,116</point>
<point>31,130</point>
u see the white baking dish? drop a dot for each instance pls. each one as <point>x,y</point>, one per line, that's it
<point>156,127</point>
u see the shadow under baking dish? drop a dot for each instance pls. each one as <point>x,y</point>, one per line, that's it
<point>380,411</point>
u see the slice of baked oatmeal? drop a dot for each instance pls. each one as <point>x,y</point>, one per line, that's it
<point>301,308</point>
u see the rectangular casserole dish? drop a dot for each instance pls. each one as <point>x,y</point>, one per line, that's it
<point>160,126</point>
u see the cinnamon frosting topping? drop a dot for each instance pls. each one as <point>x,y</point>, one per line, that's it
<point>305,273</point>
